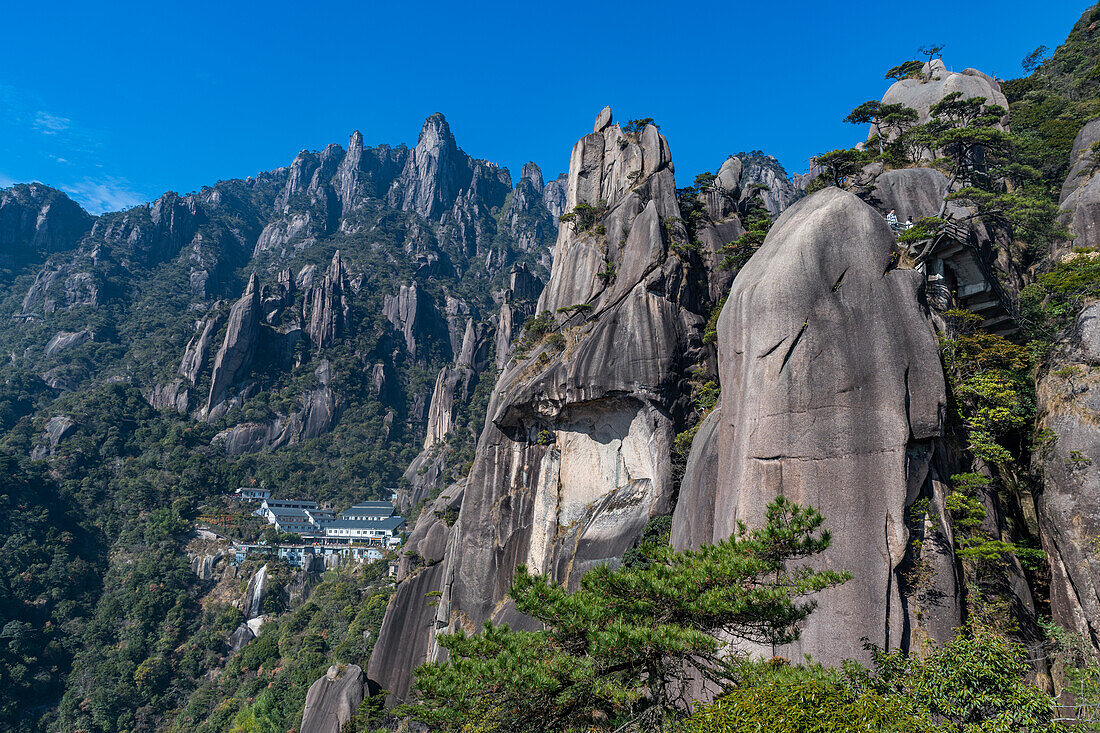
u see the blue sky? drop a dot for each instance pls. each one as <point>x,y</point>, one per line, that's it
<point>118,102</point>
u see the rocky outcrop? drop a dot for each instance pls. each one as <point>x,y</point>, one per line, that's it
<point>326,307</point>
<point>435,172</point>
<point>413,315</point>
<point>553,196</point>
<point>319,413</point>
<point>1083,163</point>
<point>571,463</point>
<point>1069,505</point>
<point>1080,202</point>
<point>1068,400</point>
<point>57,429</point>
<point>833,396</point>
<point>763,177</point>
<point>239,347</point>
<point>37,221</point>
<point>64,340</point>
<point>58,287</point>
<point>721,226</point>
<point>334,699</point>
<point>527,218</point>
<point>935,82</point>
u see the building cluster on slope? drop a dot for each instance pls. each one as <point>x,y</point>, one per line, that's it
<point>368,523</point>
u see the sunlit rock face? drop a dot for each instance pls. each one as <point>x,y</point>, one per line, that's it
<point>573,459</point>
<point>832,396</point>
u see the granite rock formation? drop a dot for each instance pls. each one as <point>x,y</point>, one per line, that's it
<point>935,82</point>
<point>37,221</point>
<point>1068,401</point>
<point>242,336</point>
<point>333,700</point>
<point>833,396</point>
<point>569,466</point>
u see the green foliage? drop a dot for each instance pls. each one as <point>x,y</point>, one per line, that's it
<point>534,331</point>
<point>838,166</point>
<point>607,274</point>
<point>1060,292</point>
<point>780,698</point>
<point>710,332</point>
<point>635,127</point>
<point>1081,669</point>
<point>757,223</point>
<point>891,122</point>
<point>47,585</point>
<point>655,535</point>
<point>975,683</point>
<point>905,70</point>
<point>991,381</point>
<point>616,649</point>
<point>584,217</point>
<point>924,228</point>
<point>262,687</point>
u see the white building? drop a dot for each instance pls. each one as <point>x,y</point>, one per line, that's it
<point>385,531</point>
<point>270,506</point>
<point>249,493</point>
<point>297,521</point>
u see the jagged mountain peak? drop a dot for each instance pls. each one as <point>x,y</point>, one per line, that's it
<point>531,172</point>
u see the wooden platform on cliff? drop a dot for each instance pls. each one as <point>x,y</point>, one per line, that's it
<point>960,274</point>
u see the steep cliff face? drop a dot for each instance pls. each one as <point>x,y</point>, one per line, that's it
<point>239,346</point>
<point>36,221</point>
<point>572,462</point>
<point>1080,197</point>
<point>1068,401</point>
<point>833,396</point>
<point>1069,506</point>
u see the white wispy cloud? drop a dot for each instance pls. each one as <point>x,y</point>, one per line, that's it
<point>49,124</point>
<point>105,194</point>
<point>6,181</point>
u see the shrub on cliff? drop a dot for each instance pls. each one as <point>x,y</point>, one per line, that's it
<point>622,650</point>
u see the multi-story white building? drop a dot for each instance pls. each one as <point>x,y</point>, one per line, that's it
<point>269,506</point>
<point>385,531</point>
<point>297,521</point>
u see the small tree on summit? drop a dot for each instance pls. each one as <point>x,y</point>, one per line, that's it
<point>931,51</point>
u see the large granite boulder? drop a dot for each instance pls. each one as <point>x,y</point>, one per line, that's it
<point>935,82</point>
<point>833,396</point>
<point>572,461</point>
<point>334,699</point>
<point>911,193</point>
